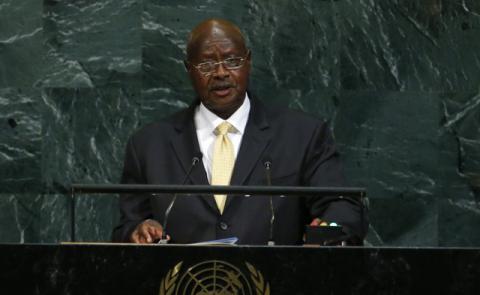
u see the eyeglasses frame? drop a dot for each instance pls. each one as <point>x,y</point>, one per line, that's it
<point>216,64</point>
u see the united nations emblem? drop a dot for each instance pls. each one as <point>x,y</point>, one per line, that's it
<point>214,277</point>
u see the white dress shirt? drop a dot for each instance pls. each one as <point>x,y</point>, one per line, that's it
<point>205,124</point>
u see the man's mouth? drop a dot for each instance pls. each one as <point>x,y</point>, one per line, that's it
<point>222,90</point>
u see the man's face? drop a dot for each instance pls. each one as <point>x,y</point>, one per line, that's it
<point>223,90</point>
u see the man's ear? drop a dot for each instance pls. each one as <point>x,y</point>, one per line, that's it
<point>187,65</point>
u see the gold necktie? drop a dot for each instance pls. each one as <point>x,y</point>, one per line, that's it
<point>223,161</point>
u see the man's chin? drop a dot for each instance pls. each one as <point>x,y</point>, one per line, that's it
<point>222,97</point>
<point>223,109</point>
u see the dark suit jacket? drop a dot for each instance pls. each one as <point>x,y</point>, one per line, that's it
<point>302,153</point>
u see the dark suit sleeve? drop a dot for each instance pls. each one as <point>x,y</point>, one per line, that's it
<point>133,208</point>
<point>322,167</point>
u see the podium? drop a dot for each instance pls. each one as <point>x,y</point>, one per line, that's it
<point>104,268</point>
<point>170,269</point>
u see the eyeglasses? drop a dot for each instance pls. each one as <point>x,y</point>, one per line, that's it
<point>232,63</point>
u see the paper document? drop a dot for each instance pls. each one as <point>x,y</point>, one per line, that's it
<point>226,241</point>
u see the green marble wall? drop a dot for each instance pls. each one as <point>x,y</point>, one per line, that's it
<point>398,79</point>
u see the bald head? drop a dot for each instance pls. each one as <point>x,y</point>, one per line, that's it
<point>212,30</point>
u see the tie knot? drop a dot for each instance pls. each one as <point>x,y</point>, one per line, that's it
<point>224,128</point>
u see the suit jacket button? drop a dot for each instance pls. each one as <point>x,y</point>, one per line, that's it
<point>223,225</point>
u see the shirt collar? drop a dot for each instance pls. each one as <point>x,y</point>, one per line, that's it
<point>205,119</point>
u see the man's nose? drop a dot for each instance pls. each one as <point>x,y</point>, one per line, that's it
<point>221,71</point>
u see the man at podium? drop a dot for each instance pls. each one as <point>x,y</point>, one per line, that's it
<point>229,137</point>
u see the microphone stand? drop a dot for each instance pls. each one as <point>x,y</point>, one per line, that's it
<point>268,165</point>
<point>163,239</point>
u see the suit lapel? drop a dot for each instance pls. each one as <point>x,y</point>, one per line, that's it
<point>256,138</point>
<point>185,146</point>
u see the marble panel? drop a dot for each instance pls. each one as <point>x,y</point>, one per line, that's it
<point>95,217</point>
<point>21,51</point>
<point>53,219</point>
<point>30,218</point>
<point>459,221</point>
<point>409,45</point>
<point>461,129</point>
<point>85,132</point>
<point>92,43</point>
<point>404,221</point>
<point>18,221</point>
<point>389,141</point>
<point>20,141</point>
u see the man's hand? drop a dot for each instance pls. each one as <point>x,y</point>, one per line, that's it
<point>147,232</point>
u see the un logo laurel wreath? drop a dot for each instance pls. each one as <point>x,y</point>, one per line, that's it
<point>256,276</point>
<point>213,277</point>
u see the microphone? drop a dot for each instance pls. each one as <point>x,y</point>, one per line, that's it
<point>268,174</point>
<point>195,161</point>
<point>268,166</point>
